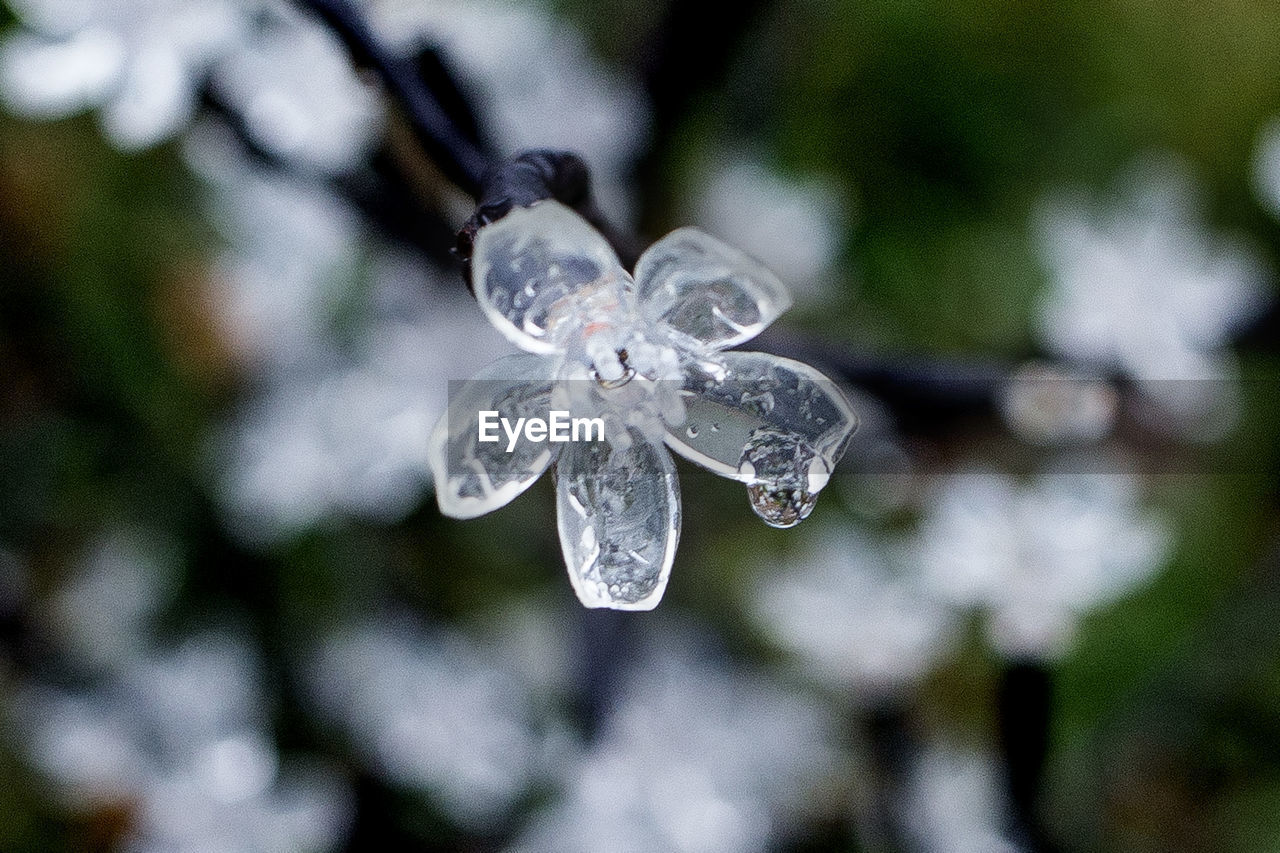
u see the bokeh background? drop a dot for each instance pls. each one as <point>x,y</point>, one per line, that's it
<point>1036,610</point>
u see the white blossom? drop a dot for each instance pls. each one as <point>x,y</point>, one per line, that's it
<point>854,613</point>
<point>144,63</point>
<point>1146,289</point>
<point>436,711</point>
<point>954,802</point>
<point>694,756</point>
<point>102,615</point>
<point>180,737</point>
<point>1037,557</point>
<point>1266,167</point>
<point>795,225</point>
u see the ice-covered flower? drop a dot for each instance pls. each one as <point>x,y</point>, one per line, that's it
<point>648,357</point>
<point>1146,289</point>
<point>1036,557</point>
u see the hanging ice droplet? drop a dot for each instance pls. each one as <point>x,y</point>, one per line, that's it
<point>783,474</point>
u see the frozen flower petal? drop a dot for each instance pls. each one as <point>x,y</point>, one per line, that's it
<point>703,288</point>
<point>775,424</point>
<point>542,272</point>
<point>618,510</point>
<point>474,477</point>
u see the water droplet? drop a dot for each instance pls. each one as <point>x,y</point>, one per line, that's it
<point>715,427</point>
<point>692,432</point>
<point>777,468</point>
<point>781,507</point>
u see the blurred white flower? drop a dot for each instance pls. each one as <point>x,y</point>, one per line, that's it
<point>343,406</point>
<point>693,757</point>
<point>181,738</point>
<point>102,614</point>
<point>535,82</point>
<point>435,711</point>
<point>1036,557</point>
<point>143,64</point>
<point>954,802</point>
<point>293,85</point>
<point>289,252</point>
<point>853,614</point>
<point>1145,288</point>
<point>1050,404</point>
<point>140,61</point>
<point>350,438</point>
<point>795,226</point>
<point>1266,167</point>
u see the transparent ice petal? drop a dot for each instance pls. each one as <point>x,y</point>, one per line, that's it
<point>703,288</point>
<point>775,424</point>
<point>474,477</point>
<point>542,272</point>
<point>618,510</point>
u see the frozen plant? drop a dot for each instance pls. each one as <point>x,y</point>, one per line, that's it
<point>650,357</point>
<point>1037,557</point>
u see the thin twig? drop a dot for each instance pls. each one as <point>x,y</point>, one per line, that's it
<point>459,157</point>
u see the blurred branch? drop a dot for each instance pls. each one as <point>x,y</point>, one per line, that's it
<point>455,149</point>
<point>1024,706</point>
<point>381,193</point>
<point>688,54</point>
<point>607,639</point>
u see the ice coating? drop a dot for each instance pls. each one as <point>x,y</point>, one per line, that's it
<point>646,359</point>
<point>543,273</point>
<point>691,282</point>
<point>618,512</point>
<point>473,478</point>
<point>733,399</point>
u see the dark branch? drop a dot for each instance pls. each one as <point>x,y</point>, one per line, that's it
<point>449,146</point>
<point>529,178</point>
